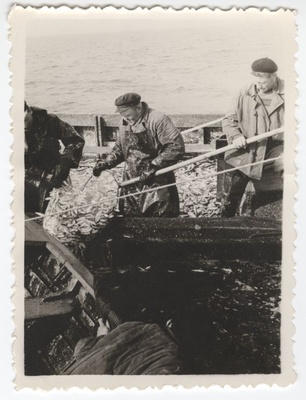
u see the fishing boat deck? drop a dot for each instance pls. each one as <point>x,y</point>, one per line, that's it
<point>36,235</point>
<point>59,307</point>
<point>157,270</point>
<point>186,270</point>
<point>217,281</point>
<point>33,235</point>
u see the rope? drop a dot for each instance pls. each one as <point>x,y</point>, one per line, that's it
<point>108,171</point>
<point>154,189</point>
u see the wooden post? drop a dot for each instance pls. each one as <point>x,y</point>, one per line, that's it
<point>206,135</point>
<point>220,167</point>
<point>97,131</point>
<point>36,308</point>
<point>103,131</point>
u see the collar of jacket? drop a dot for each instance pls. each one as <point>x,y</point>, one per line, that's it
<point>280,88</point>
<point>38,110</point>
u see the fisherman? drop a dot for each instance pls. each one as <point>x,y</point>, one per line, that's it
<point>46,167</point>
<point>147,141</point>
<point>257,109</point>
<point>132,348</point>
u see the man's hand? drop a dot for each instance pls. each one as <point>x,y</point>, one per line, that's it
<point>240,142</point>
<point>99,167</point>
<point>102,328</point>
<point>147,176</point>
<point>61,173</point>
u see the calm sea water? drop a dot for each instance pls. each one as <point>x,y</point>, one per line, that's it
<point>196,69</point>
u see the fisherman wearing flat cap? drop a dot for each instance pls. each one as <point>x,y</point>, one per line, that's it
<point>257,109</point>
<point>46,166</point>
<point>147,141</point>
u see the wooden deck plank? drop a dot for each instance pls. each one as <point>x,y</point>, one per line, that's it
<point>33,234</point>
<point>36,308</point>
<point>203,230</point>
<point>72,263</point>
<point>29,236</point>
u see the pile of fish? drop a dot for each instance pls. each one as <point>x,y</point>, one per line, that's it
<point>197,187</point>
<point>79,210</point>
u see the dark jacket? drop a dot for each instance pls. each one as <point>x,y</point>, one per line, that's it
<point>248,117</point>
<point>153,139</point>
<point>46,166</point>
<point>133,348</point>
<point>43,143</point>
<point>167,142</point>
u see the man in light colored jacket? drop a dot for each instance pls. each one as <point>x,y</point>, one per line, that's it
<point>257,109</point>
<point>147,141</point>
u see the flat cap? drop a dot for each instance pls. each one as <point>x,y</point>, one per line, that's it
<point>128,100</point>
<point>264,65</point>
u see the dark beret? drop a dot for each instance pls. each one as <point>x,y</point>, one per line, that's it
<point>264,65</point>
<point>127,100</point>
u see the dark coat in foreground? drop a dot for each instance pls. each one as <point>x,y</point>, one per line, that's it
<point>44,161</point>
<point>133,348</point>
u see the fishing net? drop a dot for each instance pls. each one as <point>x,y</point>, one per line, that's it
<point>197,187</point>
<point>75,213</point>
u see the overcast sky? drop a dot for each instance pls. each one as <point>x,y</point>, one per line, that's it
<point>45,24</point>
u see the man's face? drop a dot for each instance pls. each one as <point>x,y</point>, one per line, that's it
<point>264,81</point>
<point>131,114</point>
<point>28,120</point>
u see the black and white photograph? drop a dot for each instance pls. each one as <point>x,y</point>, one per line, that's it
<point>155,192</point>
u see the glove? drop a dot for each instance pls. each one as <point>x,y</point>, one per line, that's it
<point>99,167</point>
<point>147,176</point>
<point>61,173</point>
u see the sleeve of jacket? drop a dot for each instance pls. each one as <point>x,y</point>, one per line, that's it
<point>172,143</point>
<point>115,157</point>
<point>70,138</point>
<point>230,123</point>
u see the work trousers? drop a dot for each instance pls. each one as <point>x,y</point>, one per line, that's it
<point>236,181</point>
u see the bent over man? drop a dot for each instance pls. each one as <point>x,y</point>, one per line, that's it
<point>45,166</point>
<point>132,348</point>
<point>257,109</point>
<point>147,141</point>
